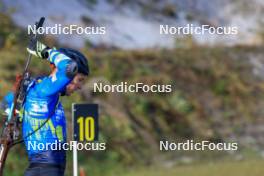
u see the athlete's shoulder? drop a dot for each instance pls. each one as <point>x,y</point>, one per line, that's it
<point>40,86</point>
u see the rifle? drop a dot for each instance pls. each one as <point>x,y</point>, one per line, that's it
<point>10,131</point>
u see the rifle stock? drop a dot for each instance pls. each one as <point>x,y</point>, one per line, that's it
<point>4,148</point>
<point>10,128</point>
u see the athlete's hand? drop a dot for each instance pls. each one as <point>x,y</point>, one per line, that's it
<point>37,49</point>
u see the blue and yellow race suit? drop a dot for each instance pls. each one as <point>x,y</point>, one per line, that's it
<point>41,102</point>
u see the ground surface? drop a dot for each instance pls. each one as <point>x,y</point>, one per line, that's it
<point>242,168</point>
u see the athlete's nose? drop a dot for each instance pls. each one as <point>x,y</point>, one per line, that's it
<point>78,86</point>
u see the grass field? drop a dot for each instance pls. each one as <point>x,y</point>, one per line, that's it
<point>241,168</point>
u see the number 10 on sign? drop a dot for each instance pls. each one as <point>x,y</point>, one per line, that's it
<point>85,122</point>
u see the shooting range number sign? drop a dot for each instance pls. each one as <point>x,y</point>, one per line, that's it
<point>85,122</point>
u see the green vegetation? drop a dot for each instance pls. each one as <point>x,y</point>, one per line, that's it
<point>215,95</point>
<point>244,168</point>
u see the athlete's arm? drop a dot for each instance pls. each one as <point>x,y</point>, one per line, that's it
<point>66,69</point>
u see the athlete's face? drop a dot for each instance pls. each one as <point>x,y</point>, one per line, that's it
<point>75,84</point>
